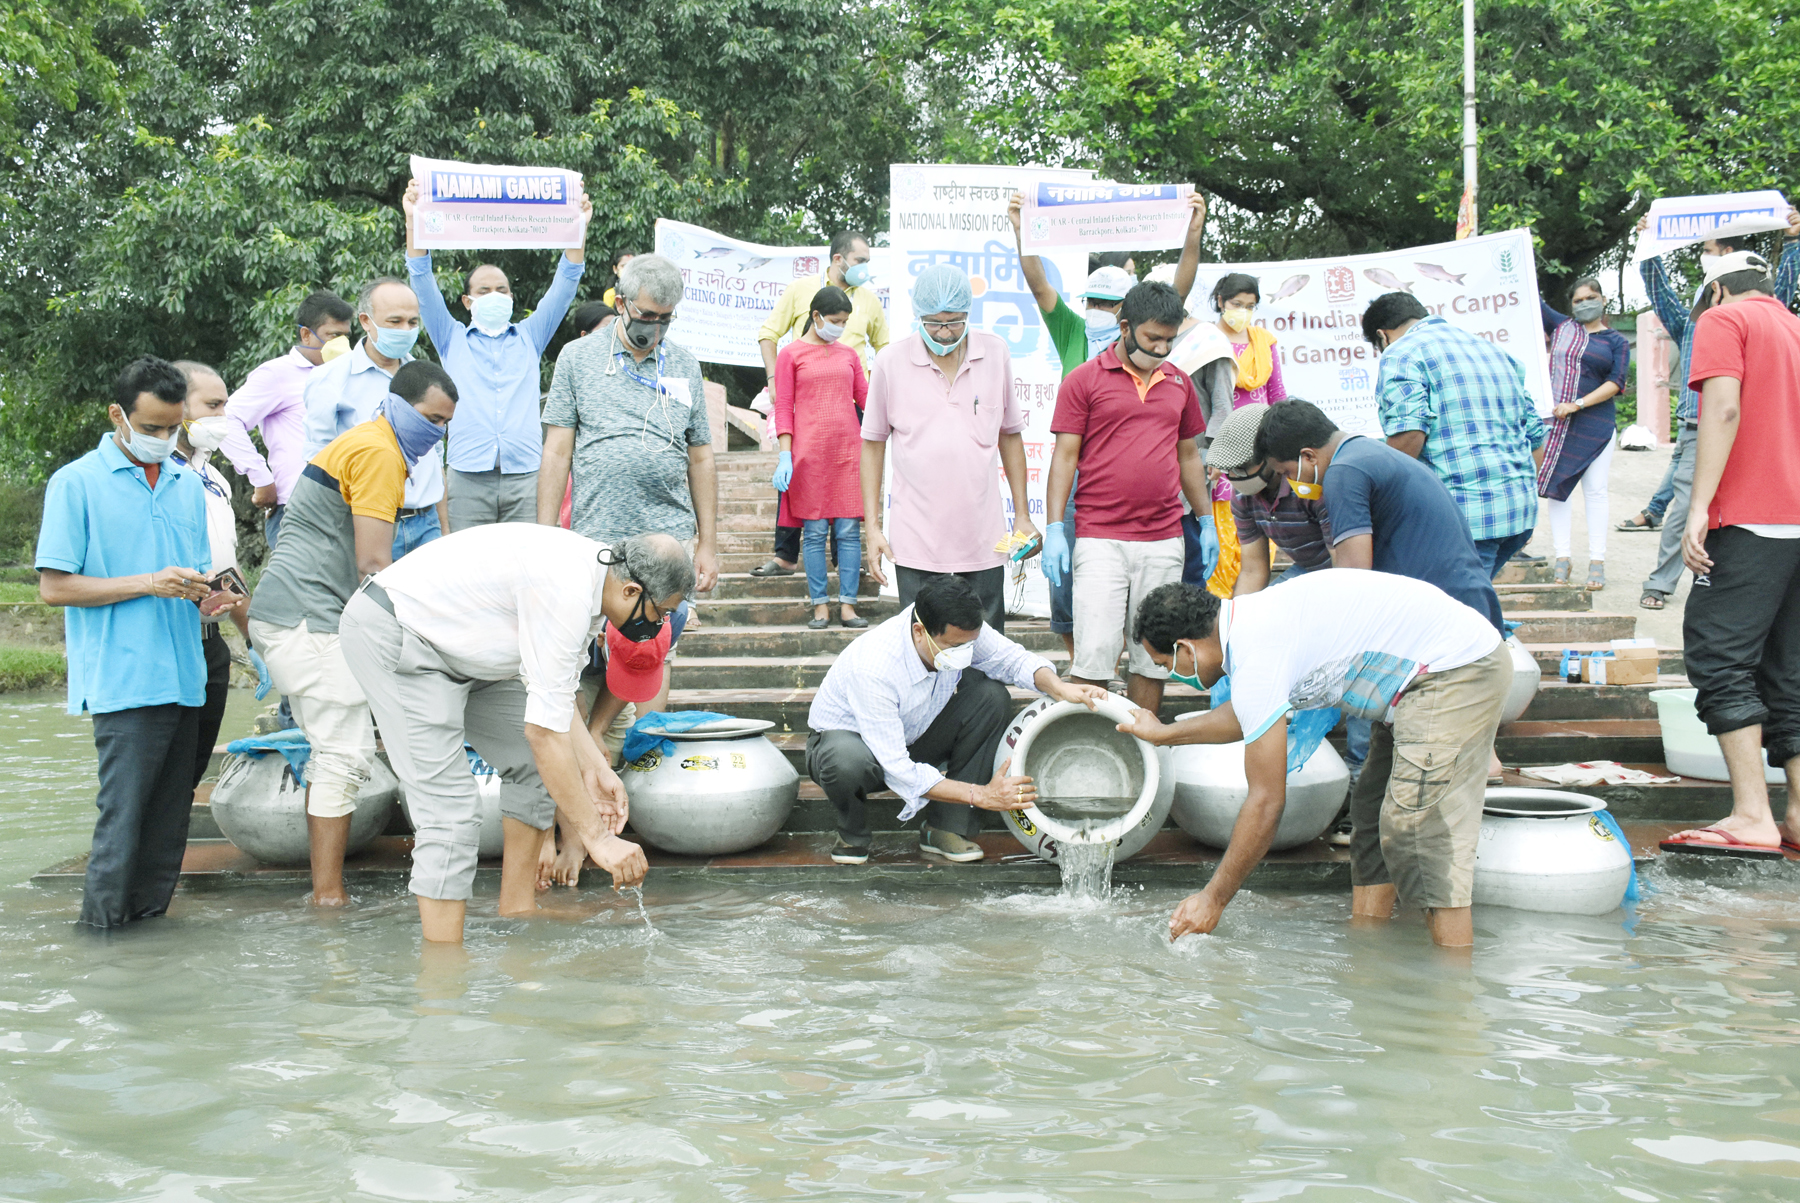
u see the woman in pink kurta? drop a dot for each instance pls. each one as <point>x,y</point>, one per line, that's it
<point>820,389</point>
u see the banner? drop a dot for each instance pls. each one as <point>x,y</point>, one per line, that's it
<point>1678,221</point>
<point>1486,284</point>
<point>956,213</point>
<point>732,287</point>
<point>1100,216</point>
<point>478,206</point>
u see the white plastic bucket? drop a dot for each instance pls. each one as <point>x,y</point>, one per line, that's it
<point>1089,757</point>
<point>1687,747</point>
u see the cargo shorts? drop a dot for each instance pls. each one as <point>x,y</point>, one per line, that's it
<point>1415,814</point>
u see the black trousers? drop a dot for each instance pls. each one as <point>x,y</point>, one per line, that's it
<point>965,735</point>
<point>1741,637</point>
<point>990,587</point>
<point>146,794</point>
<point>218,689</point>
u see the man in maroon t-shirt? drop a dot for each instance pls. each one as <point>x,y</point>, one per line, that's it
<point>1127,420</point>
<point>1742,626</point>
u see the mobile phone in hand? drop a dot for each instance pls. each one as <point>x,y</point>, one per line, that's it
<point>228,588</point>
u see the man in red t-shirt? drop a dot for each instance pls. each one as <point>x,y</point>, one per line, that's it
<point>1127,420</point>
<point>1742,626</point>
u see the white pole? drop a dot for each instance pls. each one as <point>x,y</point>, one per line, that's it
<point>1469,169</point>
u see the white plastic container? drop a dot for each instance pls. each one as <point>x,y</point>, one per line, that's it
<point>1687,747</point>
<point>1527,676</point>
<point>1547,850</point>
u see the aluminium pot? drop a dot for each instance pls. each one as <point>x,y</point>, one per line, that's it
<point>1549,850</point>
<point>1211,788</point>
<point>725,789</point>
<point>262,810</point>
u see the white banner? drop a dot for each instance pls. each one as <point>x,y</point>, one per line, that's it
<point>1678,221</point>
<point>482,206</point>
<point>1487,285</point>
<point>1102,216</point>
<point>956,213</point>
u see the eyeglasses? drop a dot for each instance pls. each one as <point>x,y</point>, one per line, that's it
<point>649,316</point>
<point>1240,475</point>
<point>943,327</point>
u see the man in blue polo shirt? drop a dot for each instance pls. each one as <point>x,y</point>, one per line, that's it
<point>496,444</point>
<point>123,545</point>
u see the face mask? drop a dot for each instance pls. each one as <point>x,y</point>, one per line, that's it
<point>827,331</point>
<point>1706,263</point>
<point>334,348</point>
<point>415,432</point>
<point>1587,311</point>
<point>1102,330</point>
<point>492,312</point>
<point>1250,487</point>
<point>938,348</point>
<point>857,275</point>
<point>1190,682</point>
<point>1140,358</point>
<point>206,434</point>
<point>642,335</point>
<point>950,659</point>
<point>146,448</point>
<point>1236,318</point>
<point>1307,490</point>
<point>640,627</point>
<point>396,342</point>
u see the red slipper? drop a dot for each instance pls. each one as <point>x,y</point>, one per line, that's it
<point>1790,847</point>
<point>1726,845</point>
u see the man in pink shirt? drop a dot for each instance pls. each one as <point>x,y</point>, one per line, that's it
<point>271,398</point>
<point>943,395</point>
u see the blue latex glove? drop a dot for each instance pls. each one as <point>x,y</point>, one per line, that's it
<point>1056,553</point>
<point>784,472</point>
<point>264,682</point>
<point>1209,546</point>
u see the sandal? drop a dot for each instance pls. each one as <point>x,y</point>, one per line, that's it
<point>773,568</point>
<point>1651,600</point>
<point>818,624</point>
<point>1563,569</point>
<point>1631,524</point>
<point>1596,576</point>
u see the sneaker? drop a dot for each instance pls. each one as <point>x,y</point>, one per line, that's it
<point>948,845</point>
<point>846,853</point>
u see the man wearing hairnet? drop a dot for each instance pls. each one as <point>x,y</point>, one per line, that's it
<point>942,396</point>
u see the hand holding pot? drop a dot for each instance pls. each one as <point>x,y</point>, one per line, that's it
<point>1143,724</point>
<point>1004,792</point>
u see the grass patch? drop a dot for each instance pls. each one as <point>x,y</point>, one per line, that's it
<point>18,593</point>
<point>31,668</point>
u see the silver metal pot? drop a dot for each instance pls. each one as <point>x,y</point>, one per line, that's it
<point>1072,752</point>
<point>1210,789</point>
<point>261,810</point>
<point>1527,676</point>
<point>726,789</point>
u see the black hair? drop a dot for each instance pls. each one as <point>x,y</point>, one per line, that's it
<point>469,277</point>
<point>843,240</point>
<point>626,253</point>
<point>1102,259</point>
<point>1736,242</point>
<point>419,377</point>
<point>148,374</point>
<point>829,299</point>
<point>1175,611</point>
<point>1389,311</point>
<point>323,306</point>
<point>1231,284</point>
<point>947,601</point>
<point>1152,301</point>
<point>590,315</point>
<point>1290,426</point>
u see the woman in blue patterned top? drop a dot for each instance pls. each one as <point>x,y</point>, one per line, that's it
<point>1588,360</point>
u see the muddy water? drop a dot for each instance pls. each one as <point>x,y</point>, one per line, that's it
<point>979,1045</point>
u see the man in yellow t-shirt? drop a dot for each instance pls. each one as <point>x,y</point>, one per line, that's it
<point>866,333</point>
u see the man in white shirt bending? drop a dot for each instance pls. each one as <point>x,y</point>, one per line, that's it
<point>1430,671</point>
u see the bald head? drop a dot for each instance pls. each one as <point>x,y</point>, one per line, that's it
<point>659,563</point>
<point>206,393</point>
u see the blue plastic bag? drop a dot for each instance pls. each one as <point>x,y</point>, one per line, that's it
<point>291,745</point>
<point>640,741</point>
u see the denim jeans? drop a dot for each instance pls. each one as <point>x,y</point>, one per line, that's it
<point>272,525</point>
<point>1495,553</point>
<point>416,531</point>
<point>1658,505</point>
<point>849,549</point>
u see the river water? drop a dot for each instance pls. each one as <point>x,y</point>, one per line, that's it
<point>976,1045</point>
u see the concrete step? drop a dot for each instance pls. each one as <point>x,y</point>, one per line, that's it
<point>748,643</point>
<point>792,672</point>
<point>743,585</point>
<point>1515,573</point>
<point>783,611</point>
<point>1558,701</point>
<point>1568,627</point>
<point>1670,661</point>
<point>1581,741</point>
<point>1544,597</point>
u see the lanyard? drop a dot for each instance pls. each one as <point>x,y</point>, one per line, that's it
<point>212,486</point>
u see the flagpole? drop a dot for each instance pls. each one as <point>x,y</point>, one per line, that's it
<point>1470,190</point>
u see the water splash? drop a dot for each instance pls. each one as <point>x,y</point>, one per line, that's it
<point>1086,869</point>
<point>638,895</point>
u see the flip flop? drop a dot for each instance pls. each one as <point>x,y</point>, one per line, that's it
<point>1726,845</point>
<point>1790,848</point>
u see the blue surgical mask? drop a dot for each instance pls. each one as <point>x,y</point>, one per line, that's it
<point>938,348</point>
<point>1102,330</point>
<point>857,275</point>
<point>416,433</point>
<point>396,342</point>
<point>492,312</point>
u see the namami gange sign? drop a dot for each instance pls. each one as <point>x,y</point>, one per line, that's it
<point>477,206</point>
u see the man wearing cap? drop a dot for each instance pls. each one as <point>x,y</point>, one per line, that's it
<point>1127,420</point>
<point>1263,508</point>
<point>943,395</point>
<point>1741,630</point>
<point>1079,339</point>
<point>480,637</point>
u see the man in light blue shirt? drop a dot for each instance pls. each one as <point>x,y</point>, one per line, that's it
<point>124,546</point>
<point>497,443</point>
<point>350,390</point>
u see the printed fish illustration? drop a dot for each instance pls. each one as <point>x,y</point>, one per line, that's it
<point>1292,285</point>
<point>750,265</point>
<point>1387,279</point>
<point>1432,271</point>
<point>717,252</point>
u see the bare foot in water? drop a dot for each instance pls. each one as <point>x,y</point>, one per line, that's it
<point>546,864</point>
<point>330,899</point>
<point>569,859</point>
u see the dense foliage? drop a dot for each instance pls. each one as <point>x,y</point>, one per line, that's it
<point>175,174</point>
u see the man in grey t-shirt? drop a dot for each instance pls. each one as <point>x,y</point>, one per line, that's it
<point>628,409</point>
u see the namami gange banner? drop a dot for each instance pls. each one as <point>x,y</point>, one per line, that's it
<point>480,206</point>
<point>1487,285</point>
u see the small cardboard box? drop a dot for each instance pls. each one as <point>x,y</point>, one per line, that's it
<point>1621,666</point>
